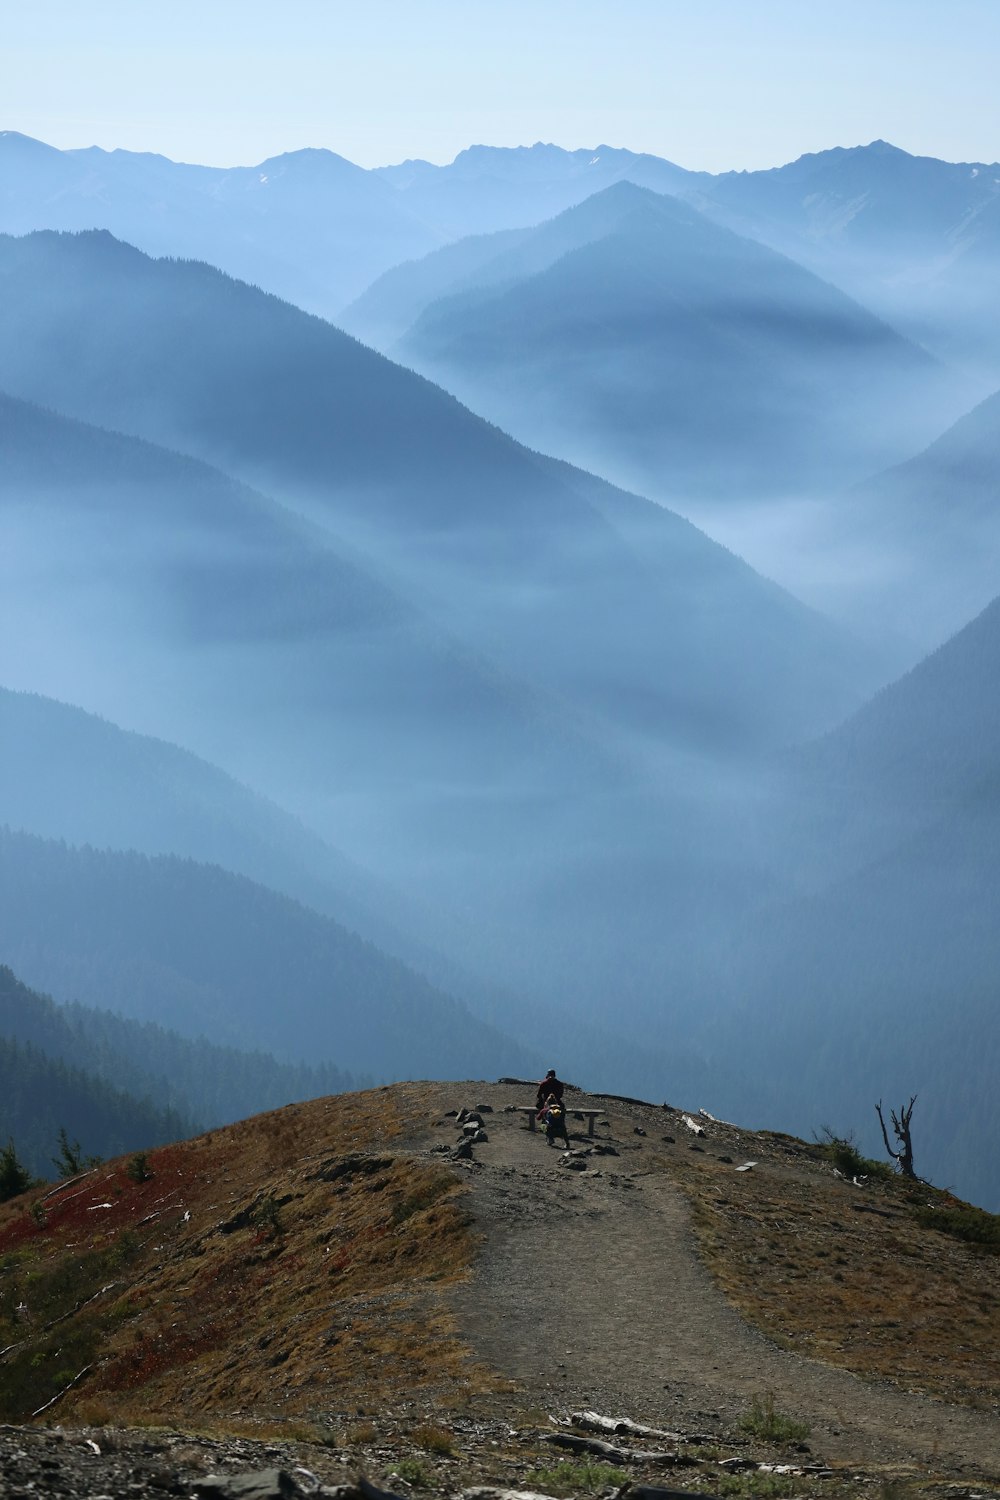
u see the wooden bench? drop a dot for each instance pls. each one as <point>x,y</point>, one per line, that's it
<point>532,1112</point>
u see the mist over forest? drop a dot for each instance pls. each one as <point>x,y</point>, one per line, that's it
<point>459,620</point>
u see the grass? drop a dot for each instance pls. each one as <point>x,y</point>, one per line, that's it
<point>834,1271</point>
<point>963,1222</point>
<point>771,1426</point>
<point>434,1440</point>
<point>759,1486</point>
<point>842,1151</point>
<point>571,1478</point>
<point>415,1473</point>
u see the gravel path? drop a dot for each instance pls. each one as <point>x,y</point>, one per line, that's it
<point>590,1291</point>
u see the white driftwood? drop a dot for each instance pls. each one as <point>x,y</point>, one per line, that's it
<point>592,1421</point>
<point>611,1451</point>
<point>693,1125</point>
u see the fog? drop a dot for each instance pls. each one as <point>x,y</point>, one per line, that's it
<point>663,773</point>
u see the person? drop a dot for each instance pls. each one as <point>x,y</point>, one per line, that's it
<point>550,1088</point>
<point>554,1115</point>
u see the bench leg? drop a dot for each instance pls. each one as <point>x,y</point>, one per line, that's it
<point>590,1124</point>
<point>531,1120</point>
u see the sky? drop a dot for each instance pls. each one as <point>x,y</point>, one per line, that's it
<point>710,84</point>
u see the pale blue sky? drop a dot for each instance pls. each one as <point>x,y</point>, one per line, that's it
<point>707,83</point>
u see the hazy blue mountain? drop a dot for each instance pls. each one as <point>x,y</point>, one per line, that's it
<point>487,188</point>
<point>42,1096</point>
<point>214,955</point>
<point>394,301</point>
<point>161,592</point>
<point>511,555</point>
<point>929,530</point>
<point>307,225</point>
<point>206,1085</point>
<point>582,789</point>
<point>72,775</point>
<point>678,358</point>
<point>875,974</point>
<point>915,238</point>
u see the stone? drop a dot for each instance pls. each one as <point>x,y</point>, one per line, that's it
<point>266,1484</point>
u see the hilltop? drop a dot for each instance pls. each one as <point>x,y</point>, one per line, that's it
<point>336,1282</point>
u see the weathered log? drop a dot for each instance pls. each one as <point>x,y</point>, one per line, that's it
<point>611,1452</point>
<point>592,1421</point>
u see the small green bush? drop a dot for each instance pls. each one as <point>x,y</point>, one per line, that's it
<point>414,1473</point>
<point>964,1222</point>
<point>842,1151</point>
<point>763,1421</point>
<point>569,1478</point>
<point>137,1169</point>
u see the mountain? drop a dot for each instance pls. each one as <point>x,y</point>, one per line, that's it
<point>500,683</point>
<point>930,531</point>
<point>639,340</point>
<point>489,188</point>
<point>163,593</point>
<point>187,1080</point>
<point>213,955</point>
<point>67,774</point>
<point>509,555</point>
<point>914,238</point>
<point>42,1096</point>
<point>308,225</point>
<point>874,976</point>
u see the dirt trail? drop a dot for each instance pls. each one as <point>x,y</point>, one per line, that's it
<point>590,1291</point>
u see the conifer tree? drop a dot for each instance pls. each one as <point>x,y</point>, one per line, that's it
<point>14,1178</point>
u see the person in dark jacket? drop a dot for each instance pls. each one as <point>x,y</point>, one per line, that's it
<point>550,1088</point>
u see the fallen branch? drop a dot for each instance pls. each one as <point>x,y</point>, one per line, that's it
<point>60,1394</point>
<point>592,1421</point>
<point>611,1452</point>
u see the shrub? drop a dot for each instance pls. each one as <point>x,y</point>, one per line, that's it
<point>763,1421</point>
<point>963,1222</point>
<point>434,1440</point>
<point>14,1178</point>
<point>414,1473</point>
<point>573,1478</point>
<point>137,1169</point>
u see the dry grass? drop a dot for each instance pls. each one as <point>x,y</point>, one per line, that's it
<point>284,1266</point>
<point>854,1276</point>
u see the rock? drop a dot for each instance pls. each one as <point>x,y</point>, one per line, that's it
<point>575,1163</point>
<point>599,1149</point>
<point>638,1130</point>
<point>694,1147</point>
<point>463,1151</point>
<point>267,1484</point>
<point>485,1109</point>
<point>486,1492</point>
<point>669,1140</point>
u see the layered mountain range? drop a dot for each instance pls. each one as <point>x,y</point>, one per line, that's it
<point>397,735</point>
